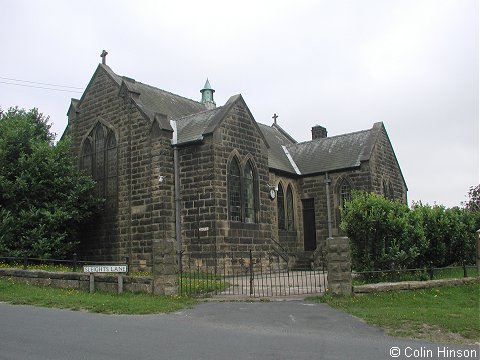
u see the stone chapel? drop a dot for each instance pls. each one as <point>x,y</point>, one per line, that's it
<point>202,179</point>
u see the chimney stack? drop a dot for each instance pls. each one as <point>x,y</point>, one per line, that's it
<point>318,132</point>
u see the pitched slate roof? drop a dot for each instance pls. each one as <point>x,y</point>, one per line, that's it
<point>334,153</point>
<point>276,155</point>
<point>193,121</point>
<point>320,155</point>
<point>152,100</point>
<point>192,127</point>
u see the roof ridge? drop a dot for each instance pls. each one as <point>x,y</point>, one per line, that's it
<point>123,77</point>
<point>166,91</point>
<point>197,113</point>
<point>332,137</point>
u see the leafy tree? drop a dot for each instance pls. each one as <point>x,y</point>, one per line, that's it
<point>43,198</point>
<point>473,203</point>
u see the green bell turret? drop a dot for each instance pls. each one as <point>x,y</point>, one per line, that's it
<point>207,96</point>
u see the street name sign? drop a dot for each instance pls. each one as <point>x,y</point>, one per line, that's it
<point>105,269</point>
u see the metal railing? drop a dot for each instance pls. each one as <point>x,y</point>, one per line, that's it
<point>414,274</point>
<point>259,276</point>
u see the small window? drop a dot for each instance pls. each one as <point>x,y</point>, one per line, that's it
<point>345,193</point>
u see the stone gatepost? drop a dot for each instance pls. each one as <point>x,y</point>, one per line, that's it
<point>164,268</point>
<point>339,266</point>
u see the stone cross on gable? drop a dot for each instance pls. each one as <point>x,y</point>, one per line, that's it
<point>274,117</point>
<point>103,55</point>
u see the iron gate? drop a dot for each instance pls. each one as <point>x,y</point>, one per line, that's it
<point>266,276</point>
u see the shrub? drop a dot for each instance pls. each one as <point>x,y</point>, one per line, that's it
<point>386,234</point>
<point>381,232</point>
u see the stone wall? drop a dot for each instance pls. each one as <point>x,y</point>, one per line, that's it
<point>204,189</point>
<point>77,281</point>
<point>144,211</point>
<point>313,187</point>
<point>339,266</point>
<point>124,230</point>
<point>385,168</point>
<point>411,285</point>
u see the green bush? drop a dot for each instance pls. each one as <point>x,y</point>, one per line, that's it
<point>386,234</point>
<point>382,234</point>
<point>450,234</point>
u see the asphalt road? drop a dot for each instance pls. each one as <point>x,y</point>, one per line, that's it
<point>234,330</point>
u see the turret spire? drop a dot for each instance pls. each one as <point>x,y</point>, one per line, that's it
<point>207,96</point>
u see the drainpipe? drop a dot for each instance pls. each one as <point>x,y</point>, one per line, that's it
<point>178,225</point>
<point>329,215</point>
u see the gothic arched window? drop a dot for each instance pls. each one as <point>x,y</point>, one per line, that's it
<point>388,190</point>
<point>234,190</point>
<point>281,207</point>
<point>111,172</point>
<point>242,189</point>
<point>99,159</point>
<point>249,193</point>
<point>290,217</point>
<point>87,157</point>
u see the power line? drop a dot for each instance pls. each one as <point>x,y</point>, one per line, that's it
<point>40,83</point>
<point>41,87</point>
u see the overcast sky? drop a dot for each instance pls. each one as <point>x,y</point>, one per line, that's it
<point>413,64</point>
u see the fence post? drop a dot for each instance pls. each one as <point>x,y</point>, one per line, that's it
<point>465,268</point>
<point>74,262</point>
<point>25,262</point>
<point>430,270</point>
<point>92,283</point>
<point>251,273</point>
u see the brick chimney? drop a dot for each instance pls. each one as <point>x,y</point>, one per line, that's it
<point>318,132</point>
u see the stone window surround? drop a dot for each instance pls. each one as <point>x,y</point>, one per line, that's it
<point>108,177</point>
<point>285,208</point>
<point>241,189</point>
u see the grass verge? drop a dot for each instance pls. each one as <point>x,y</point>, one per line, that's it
<point>449,313</point>
<point>98,302</point>
<point>197,284</point>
